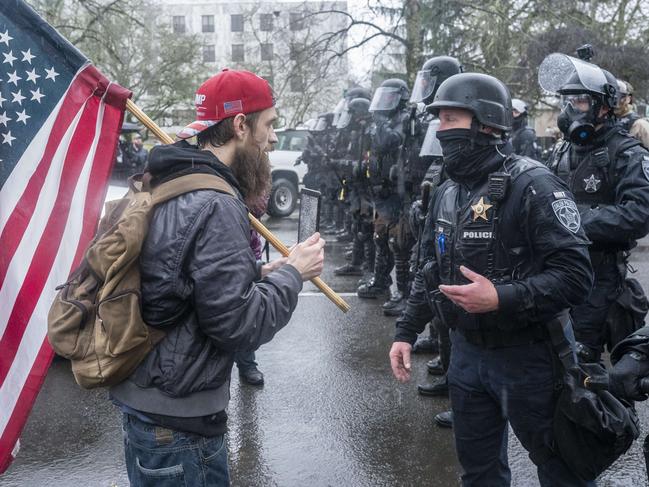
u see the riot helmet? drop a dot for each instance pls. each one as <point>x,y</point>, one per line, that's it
<point>324,122</point>
<point>357,109</point>
<point>483,95</point>
<point>432,74</point>
<point>519,105</point>
<point>392,94</point>
<point>358,92</point>
<point>584,89</point>
<point>519,118</point>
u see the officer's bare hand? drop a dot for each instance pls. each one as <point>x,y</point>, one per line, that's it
<point>273,266</point>
<point>308,257</point>
<point>400,360</point>
<point>478,297</point>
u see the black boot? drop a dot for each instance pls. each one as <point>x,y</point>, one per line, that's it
<point>379,285</point>
<point>444,419</point>
<point>354,267</point>
<point>395,297</point>
<point>435,366</point>
<point>426,344</point>
<point>436,389</point>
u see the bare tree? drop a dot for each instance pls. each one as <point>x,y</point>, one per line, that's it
<point>304,79</point>
<point>125,42</point>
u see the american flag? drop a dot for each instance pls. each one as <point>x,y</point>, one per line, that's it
<point>59,124</point>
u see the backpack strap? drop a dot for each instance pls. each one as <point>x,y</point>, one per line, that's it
<point>187,184</point>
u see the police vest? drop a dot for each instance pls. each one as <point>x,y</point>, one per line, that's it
<point>468,234</point>
<point>589,174</point>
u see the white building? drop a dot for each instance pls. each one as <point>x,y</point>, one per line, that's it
<point>287,42</point>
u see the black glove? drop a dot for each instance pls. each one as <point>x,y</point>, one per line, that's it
<point>625,376</point>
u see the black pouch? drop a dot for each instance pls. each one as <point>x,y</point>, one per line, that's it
<point>592,428</point>
<point>627,313</point>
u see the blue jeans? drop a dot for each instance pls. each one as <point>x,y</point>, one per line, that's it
<point>161,457</point>
<point>488,389</point>
<point>245,361</point>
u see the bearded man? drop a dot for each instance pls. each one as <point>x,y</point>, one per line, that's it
<point>202,285</point>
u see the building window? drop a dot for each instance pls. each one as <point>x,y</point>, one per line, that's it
<point>297,83</point>
<point>296,21</point>
<point>237,53</point>
<point>296,52</point>
<point>266,52</point>
<point>178,23</point>
<point>208,23</point>
<point>236,23</point>
<point>266,22</point>
<point>209,54</point>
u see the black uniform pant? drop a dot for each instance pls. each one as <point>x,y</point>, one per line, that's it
<point>589,318</point>
<point>490,388</point>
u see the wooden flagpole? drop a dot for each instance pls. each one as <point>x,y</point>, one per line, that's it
<point>257,225</point>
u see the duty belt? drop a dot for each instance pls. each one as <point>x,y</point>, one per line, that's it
<point>497,338</point>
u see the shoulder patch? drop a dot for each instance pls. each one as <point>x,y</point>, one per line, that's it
<point>567,213</point>
<point>559,195</point>
<point>645,166</point>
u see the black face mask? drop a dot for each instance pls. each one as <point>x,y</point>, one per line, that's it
<point>464,161</point>
<point>577,126</point>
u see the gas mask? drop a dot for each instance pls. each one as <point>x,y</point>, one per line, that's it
<point>578,117</point>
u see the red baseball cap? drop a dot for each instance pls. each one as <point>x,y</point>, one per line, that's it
<point>225,95</point>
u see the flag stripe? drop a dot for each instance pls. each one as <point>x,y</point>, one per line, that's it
<point>101,169</point>
<point>19,264</point>
<point>28,394</point>
<point>42,261</point>
<point>14,229</point>
<point>37,326</point>
<point>13,415</point>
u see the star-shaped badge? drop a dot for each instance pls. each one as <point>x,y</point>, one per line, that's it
<point>480,209</point>
<point>591,184</point>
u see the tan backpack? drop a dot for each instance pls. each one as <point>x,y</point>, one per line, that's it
<point>96,319</point>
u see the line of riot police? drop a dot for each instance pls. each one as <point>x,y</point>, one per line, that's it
<point>536,236</point>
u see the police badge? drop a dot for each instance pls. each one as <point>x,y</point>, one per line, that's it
<point>567,213</point>
<point>591,184</point>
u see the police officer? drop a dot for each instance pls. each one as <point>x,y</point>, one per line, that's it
<point>432,74</point>
<point>497,280</point>
<point>390,113</point>
<point>339,148</point>
<point>314,156</point>
<point>628,119</point>
<point>356,122</point>
<point>523,137</point>
<point>607,171</point>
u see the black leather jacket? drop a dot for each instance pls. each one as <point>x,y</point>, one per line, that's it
<point>200,283</point>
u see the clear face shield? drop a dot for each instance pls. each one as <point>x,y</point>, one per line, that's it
<point>431,146</point>
<point>340,108</point>
<point>557,70</point>
<point>344,119</point>
<point>424,86</point>
<point>320,125</point>
<point>385,99</point>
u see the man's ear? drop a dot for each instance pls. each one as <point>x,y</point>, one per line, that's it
<point>240,127</point>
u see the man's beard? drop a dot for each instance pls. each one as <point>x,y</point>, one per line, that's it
<point>251,168</point>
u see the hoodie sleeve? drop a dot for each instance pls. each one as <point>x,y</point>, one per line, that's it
<point>233,309</point>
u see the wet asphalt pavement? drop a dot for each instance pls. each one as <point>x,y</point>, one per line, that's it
<point>330,413</point>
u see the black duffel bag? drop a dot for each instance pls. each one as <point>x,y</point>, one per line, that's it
<point>592,428</point>
<point>627,312</point>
